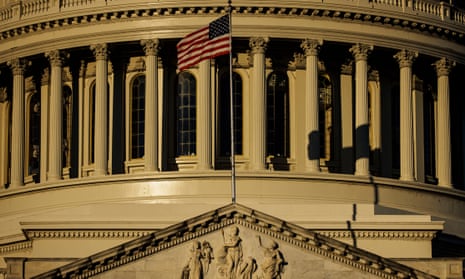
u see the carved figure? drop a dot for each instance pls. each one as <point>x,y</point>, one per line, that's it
<point>193,269</point>
<point>207,255</point>
<point>273,262</point>
<point>233,248</point>
<point>247,268</point>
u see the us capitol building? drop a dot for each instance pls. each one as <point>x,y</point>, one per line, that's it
<point>349,139</point>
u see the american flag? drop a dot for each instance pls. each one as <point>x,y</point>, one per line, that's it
<point>205,43</point>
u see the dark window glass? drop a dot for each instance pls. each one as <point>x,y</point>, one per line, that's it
<point>137,117</point>
<point>225,114</point>
<point>186,115</point>
<point>277,101</point>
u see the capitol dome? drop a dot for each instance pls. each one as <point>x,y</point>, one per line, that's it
<point>348,125</point>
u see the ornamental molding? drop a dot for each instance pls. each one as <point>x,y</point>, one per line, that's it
<point>420,21</point>
<point>15,247</point>
<point>378,235</point>
<point>85,234</point>
<point>230,221</point>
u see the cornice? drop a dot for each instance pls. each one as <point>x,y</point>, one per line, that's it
<point>385,235</point>
<point>410,21</point>
<point>221,218</point>
<point>80,234</point>
<point>18,246</point>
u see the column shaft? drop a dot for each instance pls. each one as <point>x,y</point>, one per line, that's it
<point>407,170</point>
<point>44,125</point>
<point>362,148</point>
<point>151,105</point>
<point>204,148</point>
<point>347,124</point>
<point>312,101</point>
<point>443,164</point>
<point>17,129</point>
<point>258,105</point>
<point>56,117</point>
<point>101,111</point>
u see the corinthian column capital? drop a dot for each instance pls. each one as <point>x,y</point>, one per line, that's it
<point>151,46</point>
<point>258,44</point>
<point>405,57</point>
<point>311,46</point>
<point>100,51</point>
<point>56,57</point>
<point>444,66</point>
<point>361,51</point>
<point>18,65</point>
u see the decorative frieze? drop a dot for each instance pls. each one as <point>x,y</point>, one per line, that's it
<point>233,261</point>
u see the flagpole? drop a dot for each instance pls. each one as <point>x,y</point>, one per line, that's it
<point>231,108</point>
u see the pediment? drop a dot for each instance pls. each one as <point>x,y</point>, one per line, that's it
<point>234,242</point>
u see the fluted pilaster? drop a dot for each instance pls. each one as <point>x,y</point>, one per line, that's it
<point>204,147</point>
<point>405,59</point>
<point>4,136</point>
<point>44,123</point>
<point>151,48</point>
<point>56,115</point>
<point>362,144</point>
<point>312,100</point>
<point>101,110</point>
<point>258,104</point>
<point>18,67</point>
<point>347,125</point>
<point>443,151</point>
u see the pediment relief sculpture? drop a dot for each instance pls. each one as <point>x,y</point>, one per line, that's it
<point>234,242</point>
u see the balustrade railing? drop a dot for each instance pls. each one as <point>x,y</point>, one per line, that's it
<point>15,11</point>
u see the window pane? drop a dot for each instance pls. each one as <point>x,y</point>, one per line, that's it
<point>186,114</point>
<point>137,117</point>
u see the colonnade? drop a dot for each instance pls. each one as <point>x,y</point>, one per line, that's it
<point>359,130</point>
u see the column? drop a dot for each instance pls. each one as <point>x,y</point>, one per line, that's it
<point>362,144</point>
<point>375,116</point>
<point>204,127</point>
<point>151,48</point>
<point>443,151</point>
<point>312,105</point>
<point>18,66</point>
<point>405,59</point>
<point>418,130</point>
<point>83,133</point>
<point>44,122</point>
<point>347,115</point>
<point>101,110</point>
<point>56,116</point>
<point>258,104</point>
<point>4,137</point>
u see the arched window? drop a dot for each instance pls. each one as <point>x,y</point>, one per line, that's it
<point>186,114</point>
<point>137,115</point>
<point>277,102</point>
<point>325,117</point>
<point>67,118</point>
<point>34,136</point>
<point>224,114</point>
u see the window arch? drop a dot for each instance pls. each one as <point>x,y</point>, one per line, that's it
<point>186,114</point>
<point>137,117</point>
<point>224,118</point>
<point>277,102</point>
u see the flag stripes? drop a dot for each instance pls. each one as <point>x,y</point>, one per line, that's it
<point>205,43</point>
